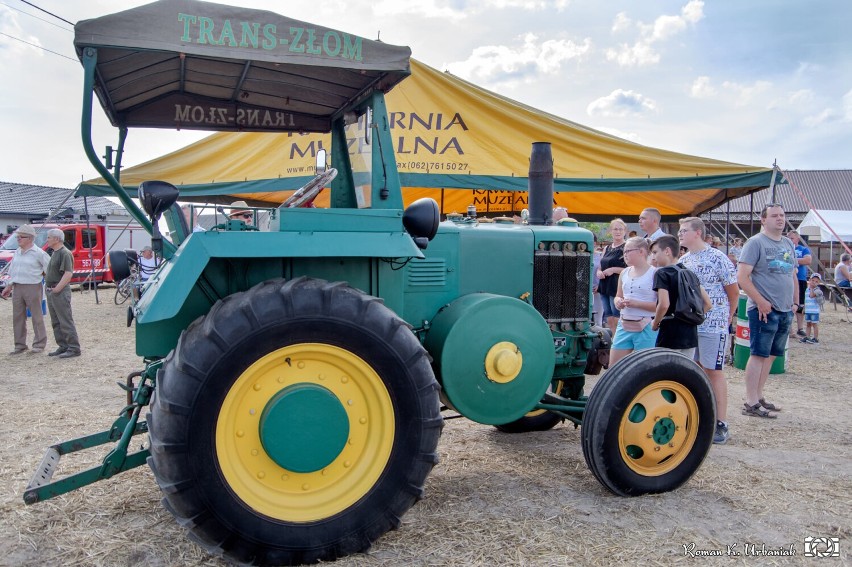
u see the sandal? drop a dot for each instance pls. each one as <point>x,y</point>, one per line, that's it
<point>769,405</point>
<point>756,411</point>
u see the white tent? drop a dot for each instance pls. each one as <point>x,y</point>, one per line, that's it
<point>821,228</point>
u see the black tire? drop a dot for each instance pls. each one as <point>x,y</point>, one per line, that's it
<point>538,420</point>
<point>199,377</point>
<point>626,448</point>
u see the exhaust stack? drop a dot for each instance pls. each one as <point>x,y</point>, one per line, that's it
<point>541,184</point>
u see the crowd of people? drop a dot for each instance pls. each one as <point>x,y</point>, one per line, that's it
<point>636,279</point>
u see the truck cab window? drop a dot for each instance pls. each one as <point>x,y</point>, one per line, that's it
<point>90,238</point>
<point>70,239</point>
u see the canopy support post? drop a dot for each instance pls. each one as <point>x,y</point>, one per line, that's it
<point>90,59</point>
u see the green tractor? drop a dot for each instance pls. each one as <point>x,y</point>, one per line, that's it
<point>293,380</point>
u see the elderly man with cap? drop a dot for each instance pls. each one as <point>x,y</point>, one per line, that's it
<point>147,263</point>
<point>25,276</point>
<point>58,276</point>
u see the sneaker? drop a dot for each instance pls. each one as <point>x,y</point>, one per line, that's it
<point>805,340</point>
<point>814,341</point>
<point>57,352</point>
<point>721,436</point>
<point>69,354</point>
<point>18,351</point>
<point>757,411</point>
<point>801,333</point>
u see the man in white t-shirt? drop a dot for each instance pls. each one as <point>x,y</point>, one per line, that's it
<point>147,263</point>
<point>719,278</point>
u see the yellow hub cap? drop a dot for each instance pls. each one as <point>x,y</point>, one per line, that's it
<point>503,362</point>
<point>287,495</point>
<point>659,428</point>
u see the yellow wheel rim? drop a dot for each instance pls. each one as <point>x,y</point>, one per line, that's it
<point>285,495</point>
<point>658,429</point>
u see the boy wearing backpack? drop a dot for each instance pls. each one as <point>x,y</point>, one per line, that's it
<point>718,276</point>
<point>675,332</point>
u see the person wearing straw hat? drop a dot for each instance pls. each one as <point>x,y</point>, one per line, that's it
<point>25,286</point>
<point>241,211</point>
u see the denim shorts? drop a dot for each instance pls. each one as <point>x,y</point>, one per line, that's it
<point>768,338</point>
<point>609,309</point>
<point>812,317</point>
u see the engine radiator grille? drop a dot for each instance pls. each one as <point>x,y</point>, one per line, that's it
<point>561,285</point>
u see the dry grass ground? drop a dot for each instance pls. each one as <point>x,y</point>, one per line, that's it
<point>494,499</point>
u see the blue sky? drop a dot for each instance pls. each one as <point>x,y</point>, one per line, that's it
<point>747,82</point>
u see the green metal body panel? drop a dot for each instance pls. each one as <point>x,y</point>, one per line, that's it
<point>469,257</point>
<point>460,340</point>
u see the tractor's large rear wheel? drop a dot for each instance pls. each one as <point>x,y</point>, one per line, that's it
<point>649,423</point>
<point>295,422</point>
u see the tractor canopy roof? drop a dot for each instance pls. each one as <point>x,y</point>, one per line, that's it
<point>205,66</point>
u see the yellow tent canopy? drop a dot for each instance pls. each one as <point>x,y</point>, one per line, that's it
<point>461,145</point>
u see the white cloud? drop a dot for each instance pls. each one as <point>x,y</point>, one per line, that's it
<point>9,25</point>
<point>492,64</point>
<point>800,97</point>
<point>621,103</point>
<point>665,27</point>
<point>621,23</point>
<point>701,88</point>
<point>443,9</point>
<point>827,115</point>
<point>636,55</point>
<point>847,107</point>
<point>746,94</point>
<point>693,12</point>
<point>736,94</point>
<point>629,136</point>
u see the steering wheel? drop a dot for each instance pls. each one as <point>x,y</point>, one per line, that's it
<point>311,189</point>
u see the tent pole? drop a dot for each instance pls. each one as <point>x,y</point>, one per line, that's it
<point>710,222</point>
<point>91,248</point>
<point>728,226</point>
<point>751,216</point>
<point>772,183</point>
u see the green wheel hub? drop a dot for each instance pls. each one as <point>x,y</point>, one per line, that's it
<point>304,428</point>
<point>664,431</point>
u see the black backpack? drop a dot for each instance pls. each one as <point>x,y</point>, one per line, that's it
<point>690,303</point>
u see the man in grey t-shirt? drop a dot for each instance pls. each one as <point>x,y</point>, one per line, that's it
<point>767,274</point>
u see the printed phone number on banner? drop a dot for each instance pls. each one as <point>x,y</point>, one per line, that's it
<point>438,166</point>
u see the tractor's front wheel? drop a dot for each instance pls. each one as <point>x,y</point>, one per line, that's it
<point>295,422</point>
<point>649,423</point>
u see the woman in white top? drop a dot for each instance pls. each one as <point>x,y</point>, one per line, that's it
<point>637,301</point>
